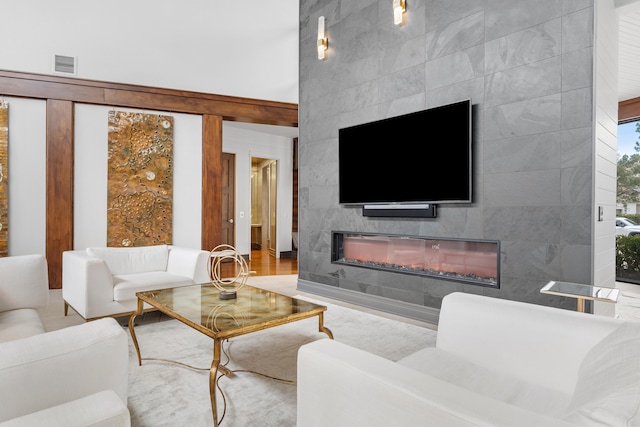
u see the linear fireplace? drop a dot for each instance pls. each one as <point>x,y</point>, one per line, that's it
<point>470,261</point>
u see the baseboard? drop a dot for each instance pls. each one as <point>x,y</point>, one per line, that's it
<point>400,308</point>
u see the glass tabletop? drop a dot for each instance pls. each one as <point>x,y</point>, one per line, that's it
<point>578,290</point>
<point>201,307</point>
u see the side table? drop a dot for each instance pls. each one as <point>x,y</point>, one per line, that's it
<point>581,292</point>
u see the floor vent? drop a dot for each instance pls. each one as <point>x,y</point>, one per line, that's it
<point>65,64</point>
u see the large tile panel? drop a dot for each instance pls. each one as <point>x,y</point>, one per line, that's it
<point>527,67</point>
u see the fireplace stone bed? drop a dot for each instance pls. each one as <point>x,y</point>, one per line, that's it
<point>469,261</point>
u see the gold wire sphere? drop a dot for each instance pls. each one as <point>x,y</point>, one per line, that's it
<point>230,285</point>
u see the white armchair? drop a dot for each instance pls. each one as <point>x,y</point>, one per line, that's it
<point>495,363</point>
<point>77,376</point>
<point>24,287</point>
<point>99,282</point>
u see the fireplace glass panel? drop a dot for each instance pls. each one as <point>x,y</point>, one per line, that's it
<point>469,261</point>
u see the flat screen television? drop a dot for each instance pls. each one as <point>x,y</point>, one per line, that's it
<point>421,157</point>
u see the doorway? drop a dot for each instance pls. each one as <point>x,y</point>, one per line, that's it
<point>264,213</point>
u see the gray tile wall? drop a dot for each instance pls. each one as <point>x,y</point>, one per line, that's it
<point>526,66</point>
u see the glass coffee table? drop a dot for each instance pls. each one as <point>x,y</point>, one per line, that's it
<point>200,307</point>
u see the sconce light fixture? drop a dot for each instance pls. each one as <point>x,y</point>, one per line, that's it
<point>322,40</point>
<point>398,9</point>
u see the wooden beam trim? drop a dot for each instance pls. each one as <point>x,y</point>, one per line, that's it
<point>211,233</point>
<point>629,110</point>
<point>59,186</point>
<point>124,95</point>
<point>227,109</point>
<point>141,88</point>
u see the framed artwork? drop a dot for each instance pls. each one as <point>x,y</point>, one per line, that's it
<point>140,179</point>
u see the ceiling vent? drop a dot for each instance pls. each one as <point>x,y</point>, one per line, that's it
<point>64,65</point>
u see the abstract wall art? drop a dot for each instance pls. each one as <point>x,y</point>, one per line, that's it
<point>140,179</point>
<point>4,184</point>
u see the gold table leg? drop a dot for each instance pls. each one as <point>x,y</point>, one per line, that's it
<point>213,373</point>
<point>321,326</point>
<point>215,363</point>
<point>131,331</point>
<point>580,305</point>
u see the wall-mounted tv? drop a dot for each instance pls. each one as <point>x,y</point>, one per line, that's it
<point>421,157</point>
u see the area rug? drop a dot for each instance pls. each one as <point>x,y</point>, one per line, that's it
<point>167,394</point>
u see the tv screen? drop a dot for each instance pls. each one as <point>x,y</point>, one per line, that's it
<point>421,157</point>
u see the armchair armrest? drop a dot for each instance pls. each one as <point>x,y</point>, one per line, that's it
<point>103,409</point>
<point>188,262</point>
<point>57,367</point>
<point>24,282</point>
<point>79,272</point>
<point>341,386</point>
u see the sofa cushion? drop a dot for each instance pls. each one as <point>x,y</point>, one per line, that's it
<point>608,387</point>
<point>24,282</point>
<point>22,323</point>
<point>496,385</point>
<point>133,260</point>
<point>125,286</point>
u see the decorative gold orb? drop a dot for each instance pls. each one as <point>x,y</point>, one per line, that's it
<point>228,286</point>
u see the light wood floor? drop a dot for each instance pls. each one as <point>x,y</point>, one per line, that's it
<point>264,265</point>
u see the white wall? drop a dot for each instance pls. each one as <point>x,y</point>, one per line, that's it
<point>27,178</point>
<point>243,48</point>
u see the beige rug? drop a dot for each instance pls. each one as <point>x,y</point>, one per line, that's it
<point>166,394</point>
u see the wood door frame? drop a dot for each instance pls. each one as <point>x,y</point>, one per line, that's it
<point>231,176</point>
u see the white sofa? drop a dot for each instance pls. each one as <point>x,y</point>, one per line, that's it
<point>76,376</point>
<point>100,282</point>
<point>496,363</point>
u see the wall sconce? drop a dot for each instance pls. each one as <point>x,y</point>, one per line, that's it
<point>322,40</point>
<point>398,9</point>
